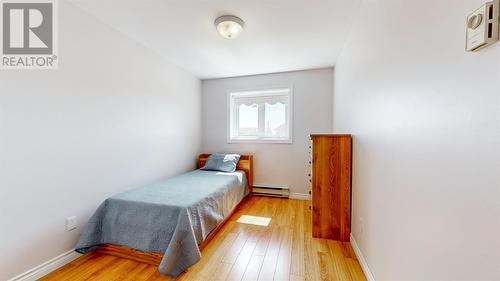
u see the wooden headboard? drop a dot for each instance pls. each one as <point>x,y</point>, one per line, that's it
<point>245,164</point>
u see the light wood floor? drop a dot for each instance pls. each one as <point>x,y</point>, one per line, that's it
<point>283,250</point>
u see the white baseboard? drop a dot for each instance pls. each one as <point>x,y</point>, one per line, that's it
<point>47,267</point>
<point>281,186</point>
<point>362,260</point>
<point>299,196</point>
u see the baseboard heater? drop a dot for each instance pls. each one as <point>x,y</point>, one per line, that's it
<point>271,190</point>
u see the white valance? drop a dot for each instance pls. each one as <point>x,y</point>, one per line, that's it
<point>261,100</point>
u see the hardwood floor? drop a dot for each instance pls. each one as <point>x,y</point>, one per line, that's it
<point>283,250</point>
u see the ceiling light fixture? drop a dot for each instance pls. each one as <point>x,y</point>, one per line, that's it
<point>229,26</point>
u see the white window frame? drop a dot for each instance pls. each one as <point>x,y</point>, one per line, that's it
<point>256,92</point>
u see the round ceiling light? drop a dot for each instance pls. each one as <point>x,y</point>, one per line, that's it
<point>229,26</point>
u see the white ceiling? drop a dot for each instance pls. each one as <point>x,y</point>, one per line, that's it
<point>279,35</point>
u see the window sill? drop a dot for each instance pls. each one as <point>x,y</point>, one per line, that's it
<point>260,141</point>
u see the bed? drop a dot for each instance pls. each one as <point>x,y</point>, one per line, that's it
<point>168,223</point>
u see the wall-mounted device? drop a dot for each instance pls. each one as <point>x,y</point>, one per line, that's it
<point>483,26</point>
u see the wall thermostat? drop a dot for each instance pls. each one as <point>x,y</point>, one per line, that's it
<point>483,26</point>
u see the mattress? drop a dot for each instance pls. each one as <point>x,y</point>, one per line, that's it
<point>171,217</point>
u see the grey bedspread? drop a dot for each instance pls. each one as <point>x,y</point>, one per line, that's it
<point>172,217</point>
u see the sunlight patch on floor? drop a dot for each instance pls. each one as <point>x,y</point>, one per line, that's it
<point>262,221</point>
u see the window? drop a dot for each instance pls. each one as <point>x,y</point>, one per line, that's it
<point>260,116</point>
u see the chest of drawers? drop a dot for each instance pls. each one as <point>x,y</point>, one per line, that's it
<point>331,186</point>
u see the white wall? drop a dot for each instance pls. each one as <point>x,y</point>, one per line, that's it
<point>426,122</point>
<point>276,164</point>
<point>113,116</point>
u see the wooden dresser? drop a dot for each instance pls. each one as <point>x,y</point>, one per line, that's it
<point>331,186</point>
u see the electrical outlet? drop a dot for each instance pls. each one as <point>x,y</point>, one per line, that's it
<point>70,223</point>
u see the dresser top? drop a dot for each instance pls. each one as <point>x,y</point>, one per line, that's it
<point>331,135</point>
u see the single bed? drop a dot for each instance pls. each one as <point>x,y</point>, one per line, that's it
<point>168,223</point>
